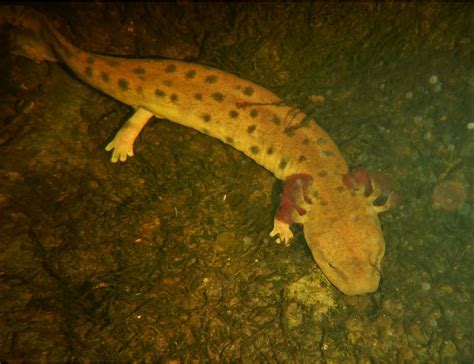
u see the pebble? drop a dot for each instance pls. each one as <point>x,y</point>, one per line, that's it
<point>433,80</point>
<point>470,126</point>
<point>425,286</point>
<point>449,349</point>
<point>409,95</point>
<point>448,195</point>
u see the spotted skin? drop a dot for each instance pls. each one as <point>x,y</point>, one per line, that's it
<point>341,225</point>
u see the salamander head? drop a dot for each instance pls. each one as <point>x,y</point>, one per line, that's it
<point>346,240</point>
<point>350,254</point>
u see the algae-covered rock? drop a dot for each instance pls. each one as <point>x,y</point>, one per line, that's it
<point>311,291</point>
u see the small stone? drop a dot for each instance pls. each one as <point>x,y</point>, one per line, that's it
<point>448,195</point>
<point>425,286</point>
<point>409,95</point>
<point>317,99</point>
<point>470,126</point>
<point>433,80</point>
<point>437,88</point>
<point>445,290</point>
<point>449,349</point>
<point>247,240</point>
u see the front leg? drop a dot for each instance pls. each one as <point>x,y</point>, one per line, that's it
<point>122,144</point>
<point>295,191</point>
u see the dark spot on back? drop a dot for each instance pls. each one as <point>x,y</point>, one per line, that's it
<point>276,120</point>
<point>253,113</point>
<point>340,189</point>
<point>321,141</point>
<point>160,93</point>
<point>306,141</point>
<point>174,97</point>
<point>198,96</point>
<point>206,117</point>
<point>323,202</point>
<point>218,96</point>
<point>88,71</point>
<point>233,114</point>
<point>140,71</point>
<point>270,150</point>
<point>190,74</point>
<point>105,77</point>
<point>170,68</point>
<point>282,164</point>
<point>123,84</point>
<point>254,149</point>
<point>289,131</point>
<point>211,79</point>
<point>251,129</point>
<point>229,140</point>
<point>302,158</point>
<point>322,173</point>
<point>248,91</point>
<point>167,83</point>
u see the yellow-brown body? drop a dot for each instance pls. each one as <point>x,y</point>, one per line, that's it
<point>341,224</point>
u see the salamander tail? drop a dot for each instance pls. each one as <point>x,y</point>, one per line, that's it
<point>32,36</point>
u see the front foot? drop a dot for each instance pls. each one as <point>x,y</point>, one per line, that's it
<point>122,144</point>
<point>295,192</point>
<point>121,147</point>
<point>282,232</point>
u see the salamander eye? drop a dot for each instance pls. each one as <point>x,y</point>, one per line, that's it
<point>331,265</point>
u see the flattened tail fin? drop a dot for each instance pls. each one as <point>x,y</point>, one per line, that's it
<point>32,36</point>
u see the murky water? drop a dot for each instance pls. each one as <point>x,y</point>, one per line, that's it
<point>167,257</point>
